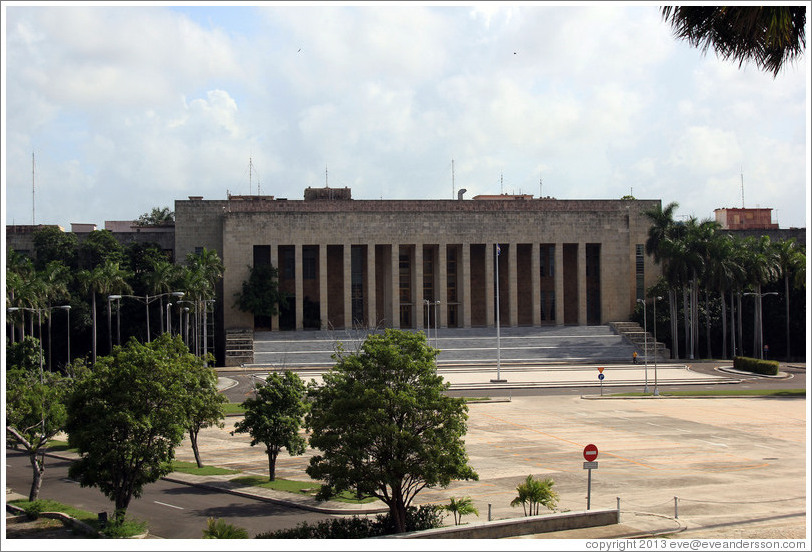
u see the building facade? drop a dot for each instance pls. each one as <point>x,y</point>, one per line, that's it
<point>400,263</point>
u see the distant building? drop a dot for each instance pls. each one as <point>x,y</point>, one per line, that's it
<point>745,219</point>
<point>348,263</point>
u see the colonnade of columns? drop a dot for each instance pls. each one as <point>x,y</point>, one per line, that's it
<point>388,285</point>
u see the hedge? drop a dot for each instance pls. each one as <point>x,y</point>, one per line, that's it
<point>755,365</point>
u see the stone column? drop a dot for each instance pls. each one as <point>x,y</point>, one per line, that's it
<point>441,285</point>
<point>464,291</point>
<point>298,285</point>
<point>490,252</point>
<point>275,264</point>
<point>535,282</point>
<point>372,317</point>
<point>323,285</point>
<point>395,283</point>
<point>513,296</point>
<point>582,284</point>
<point>559,283</point>
<point>347,248</point>
<point>417,286</point>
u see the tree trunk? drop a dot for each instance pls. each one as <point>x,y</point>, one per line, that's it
<point>397,509</point>
<point>786,295</point>
<point>50,366</point>
<point>195,449</point>
<point>686,315</point>
<point>94,327</point>
<point>741,324</point>
<point>708,324</point>
<point>724,325</point>
<point>273,452</point>
<point>672,308</point>
<point>37,460</point>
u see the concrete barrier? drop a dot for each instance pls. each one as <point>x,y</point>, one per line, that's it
<point>530,525</point>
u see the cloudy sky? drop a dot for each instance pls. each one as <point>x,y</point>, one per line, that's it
<point>129,107</point>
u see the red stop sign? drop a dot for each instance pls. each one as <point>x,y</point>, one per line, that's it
<point>590,453</point>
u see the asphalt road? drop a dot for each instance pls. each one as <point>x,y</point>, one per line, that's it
<point>172,510</point>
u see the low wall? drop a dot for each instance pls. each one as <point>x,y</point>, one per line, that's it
<point>531,525</point>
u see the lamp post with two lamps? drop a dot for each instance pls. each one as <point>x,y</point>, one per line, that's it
<point>645,342</point>
<point>147,299</point>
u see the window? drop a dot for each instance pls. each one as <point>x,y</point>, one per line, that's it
<point>309,255</point>
<point>289,260</point>
<point>640,271</point>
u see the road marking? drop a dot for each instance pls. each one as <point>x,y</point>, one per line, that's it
<point>170,505</point>
<point>69,480</point>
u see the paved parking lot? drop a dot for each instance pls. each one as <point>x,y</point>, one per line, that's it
<point>737,466</point>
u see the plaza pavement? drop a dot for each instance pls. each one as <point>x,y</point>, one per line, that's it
<point>736,466</point>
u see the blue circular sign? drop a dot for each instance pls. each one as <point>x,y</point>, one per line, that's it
<point>601,376</point>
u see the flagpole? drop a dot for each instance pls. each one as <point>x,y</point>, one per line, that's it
<point>498,337</point>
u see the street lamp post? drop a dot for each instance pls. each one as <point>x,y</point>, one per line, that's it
<point>760,320</point>
<point>645,341</point>
<point>436,339</point>
<point>656,391</point>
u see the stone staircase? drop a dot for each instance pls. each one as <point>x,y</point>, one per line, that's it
<point>239,347</point>
<point>632,332</point>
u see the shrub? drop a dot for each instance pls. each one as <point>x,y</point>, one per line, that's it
<point>219,529</point>
<point>355,527</point>
<point>122,528</point>
<point>34,509</point>
<point>756,366</point>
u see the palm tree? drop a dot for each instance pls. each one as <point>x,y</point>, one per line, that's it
<point>534,493</point>
<point>55,279</point>
<point>761,264</point>
<point>208,269</point>
<point>159,281</point>
<point>723,274</point>
<point>660,244</point>
<point>104,280</point>
<point>460,507</point>
<point>791,259</point>
<point>768,36</point>
<point>700,238</point>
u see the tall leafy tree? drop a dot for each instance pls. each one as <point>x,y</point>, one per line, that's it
<point>275,416</point>
<point>52,244</point>
<point>204,403</point>
<point>126,418</point>
<point>769,36</point>
<point>99,247</point>
<point>260,294</point>
<point>384,425</point>
<point>35,405</point>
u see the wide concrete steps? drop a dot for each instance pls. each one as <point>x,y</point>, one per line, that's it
<point>641,340</point>
<point>467,347</point>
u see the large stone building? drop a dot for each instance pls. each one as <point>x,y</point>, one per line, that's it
<point>376,263</point>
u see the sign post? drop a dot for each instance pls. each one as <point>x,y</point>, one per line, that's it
<point>590,455</point>
<point>600,378</point>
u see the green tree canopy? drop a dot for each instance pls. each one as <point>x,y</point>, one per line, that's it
<point>534,493</point>
<point>204,405</point>
<point>260,293</point>
<point>769,36</point>
<point>275,416</point>
<point>384,425</point>
<point>52,244</point>
<point>99,247</point>
<point>126,418</point>
<point>35,405</point>
<point>156,217</point>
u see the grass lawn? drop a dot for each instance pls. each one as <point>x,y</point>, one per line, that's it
<point>191,468</point>
<point>723,393</point>
<point>59,446</point>
<point>129,528</point>
<point>233,408</point>
<point>309,488</point>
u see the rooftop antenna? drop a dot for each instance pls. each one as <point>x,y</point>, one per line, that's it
<point>33,196</point>
<point>540,182</point>
<point>501,184</point>
<point>453,186</point>
<point>742,175</point>
<point>326,185</point>
<point>250,175</point>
